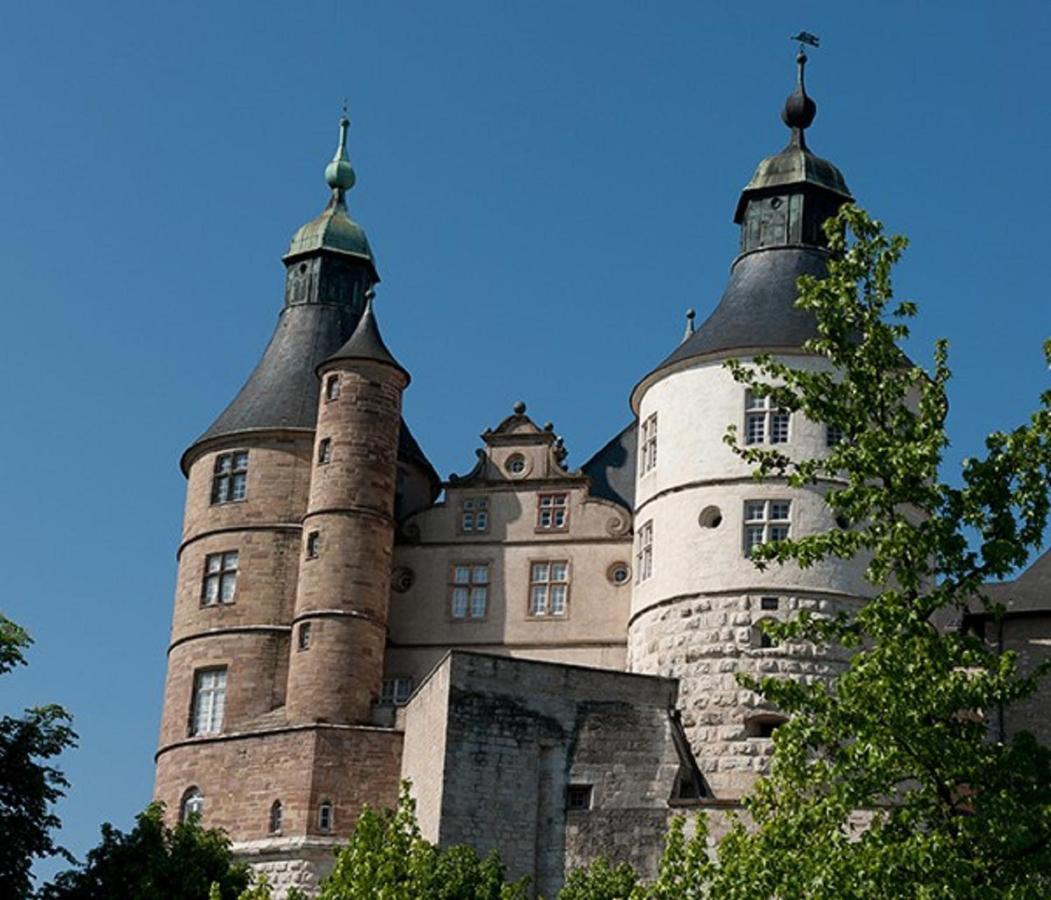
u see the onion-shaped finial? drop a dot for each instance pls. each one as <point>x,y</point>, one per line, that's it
<point>799,109</point>
<point>339,174</point>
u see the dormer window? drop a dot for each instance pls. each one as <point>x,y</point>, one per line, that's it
<point>552,512</point>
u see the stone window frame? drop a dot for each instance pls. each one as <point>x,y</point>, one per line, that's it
<point>580,797</point>
<point>219,571</point>
<point>325,817</point>
<point>324,451</point>
<point>761,726</point>
<point>230,477</point>
<point>552,508</point>
<point>766,525</point>
<point>644,552</point>
<point>396,690</point>
<point>215,697</point>
<point>648,445</point>
<point>470,586</point>
<point>759,638</point>
<point>548,583</point>
<point>276,818</point>
<point>474,515</point>
<point>333,387</point>
<point>191,803</point>
<point>303,636</point>
<point>765,423</point>
<point>619,567</point>
<point>312,545</point>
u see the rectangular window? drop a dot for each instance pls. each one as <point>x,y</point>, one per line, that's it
<point>209,700</point>
<point>324,451</point>
<point>219,584</point>
<point>395,691</point>
<point>768,603</point>
<point>833,435</point>
<point>764,521</point>
<point>230,477</point>
<point>474,515</point>
<point>469,590</point>
<point>649,444</point>
<point>763,422</point>
<point>552,512</point>
<point>644,552</point>
<point>313,545</point>
<point>332,387</point>
<point>303,633</point>
<point>548,588</point>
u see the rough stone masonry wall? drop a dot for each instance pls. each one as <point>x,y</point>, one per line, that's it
<point>517,733</point>
<point>705,641</point>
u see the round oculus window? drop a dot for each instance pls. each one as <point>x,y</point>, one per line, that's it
<point>516,464</point>
<point>619,573</point>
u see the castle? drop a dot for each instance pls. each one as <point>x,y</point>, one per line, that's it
<point>549,655</point>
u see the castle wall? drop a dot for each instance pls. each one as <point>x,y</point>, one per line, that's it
<point>516,735</point>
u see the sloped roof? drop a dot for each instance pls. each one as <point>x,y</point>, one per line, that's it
<point>612,469</point>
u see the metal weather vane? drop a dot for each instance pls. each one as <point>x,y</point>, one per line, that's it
<point>805,37</point>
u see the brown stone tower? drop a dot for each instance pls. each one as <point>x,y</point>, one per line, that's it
<point>279,753</point>
<point>340,623</point>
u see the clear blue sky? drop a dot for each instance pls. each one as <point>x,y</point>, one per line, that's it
<point>547,186</point>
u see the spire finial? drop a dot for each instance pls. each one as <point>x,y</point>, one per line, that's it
<point>690,314</point>
<point>799,109</point>
<point>339,174</point>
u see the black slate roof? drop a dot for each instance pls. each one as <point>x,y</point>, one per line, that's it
<point>612,469</point>
<point>367,343</point>
<point>757,308</point>
<point>283,389</point>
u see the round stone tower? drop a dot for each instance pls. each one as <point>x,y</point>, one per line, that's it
<point>340,622</point>
<point>698,600</point>
<point>231,748</point>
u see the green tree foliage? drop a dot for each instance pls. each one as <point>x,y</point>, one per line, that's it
<point>28,785</point>
<point>151,861</point>
<point>891,781</point>
<point>388,859</point>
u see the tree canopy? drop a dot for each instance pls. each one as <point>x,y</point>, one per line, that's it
<point>29,784</point>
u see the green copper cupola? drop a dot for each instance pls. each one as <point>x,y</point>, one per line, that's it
<point>329,259</point>
<point>793,192</point>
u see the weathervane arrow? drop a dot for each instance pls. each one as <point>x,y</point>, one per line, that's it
<point>805,37</point>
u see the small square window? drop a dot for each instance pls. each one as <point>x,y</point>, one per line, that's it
<point>552,513</point>
<point>324,451</point>
<point>768,603</point>
<point>765,521</point>
<point>578,797</point>
<point>474,515</point>
<point>314,545</point>
<point>833,435</point>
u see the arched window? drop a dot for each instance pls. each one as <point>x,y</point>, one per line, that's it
<point>192,804</point>
<point>761,639</point>
<point>275,817</point>
<point>324,816</point>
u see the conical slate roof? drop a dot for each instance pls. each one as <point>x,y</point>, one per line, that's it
<point>366,343</point>
<point>780,212</point>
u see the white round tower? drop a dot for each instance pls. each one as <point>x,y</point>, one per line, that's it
<point>698,600</point>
